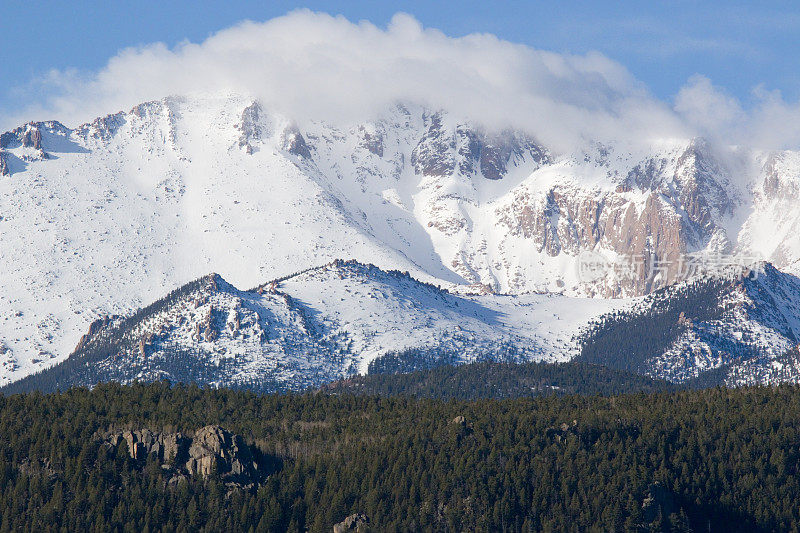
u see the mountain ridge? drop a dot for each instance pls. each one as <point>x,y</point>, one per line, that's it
<point>309,328</point>
<point>741,327</point>
<point>346,318</point>
<point>113,213</point>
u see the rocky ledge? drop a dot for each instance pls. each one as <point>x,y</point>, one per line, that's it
<point>211,451</point>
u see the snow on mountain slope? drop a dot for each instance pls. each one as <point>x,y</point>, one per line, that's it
<point>314,327</point>
<point>122,209</point>
<point>105,217</point>
<point>773,229</point>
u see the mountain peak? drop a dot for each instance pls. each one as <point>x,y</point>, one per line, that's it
<point>216,283</point>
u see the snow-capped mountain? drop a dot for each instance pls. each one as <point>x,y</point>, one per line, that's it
<point>103,218</point>
<point>738,327</point>
<point>314,327</point>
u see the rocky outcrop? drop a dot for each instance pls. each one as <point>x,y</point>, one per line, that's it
<point>506,148</point>
<point>27,136</point>
<point>433,154</point>
<point>32,138</point>
<point>212,450</point>
<point>5,168</point>
<point>471,151</point>
<point>662,210</point>
<point>29,139</point>
<point>141,443</point>
<point>95,328</point>
<point>31,135</point>
<point>295,143</point>
<point>704,190</point>
<point>251,128</point>
<point>205,329</point>
<point>102,128</point>
<point>371,140</point>
<point>562,222</point>
<point>357,523</point>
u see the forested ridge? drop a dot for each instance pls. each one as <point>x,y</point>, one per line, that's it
<point>629,339</point>
<point>718,459</point>
<point>489,379</point>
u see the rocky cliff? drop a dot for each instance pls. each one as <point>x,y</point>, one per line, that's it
<point>211,450</point>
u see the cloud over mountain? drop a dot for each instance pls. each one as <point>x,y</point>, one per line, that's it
<point>310,64</point>
<point>314,65</point>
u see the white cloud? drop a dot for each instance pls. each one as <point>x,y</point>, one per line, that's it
<point>708,108</point>
<point>774,123</point>
<point>316,66</point>
<point>771,123</point>
<point>312,65</point>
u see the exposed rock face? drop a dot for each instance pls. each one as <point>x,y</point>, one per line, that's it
<point>251,127</point>
<point>5,169</point>
<point>215,449</point>
<point>372,140</point>
<point>432,156</point>
<point>95,328</point>
<point>102,128</point>
<point>355,522</point>
<point>295,143</point>
<point>32,138</point>
<point>26,144</point>
<point>212,450</point>
<point>564,223</point>
<point>662,210</point>
<point>167,447</point>
<point>498,151</point>
<point>28,136</point>
<point>31,135</point>
<point>446,149</point>
<point>461,426</point>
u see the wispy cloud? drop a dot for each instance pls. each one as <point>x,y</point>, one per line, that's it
<point>650,37</point>
<point>771,123</point>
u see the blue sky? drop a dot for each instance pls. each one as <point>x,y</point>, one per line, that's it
<point>739,46</point>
